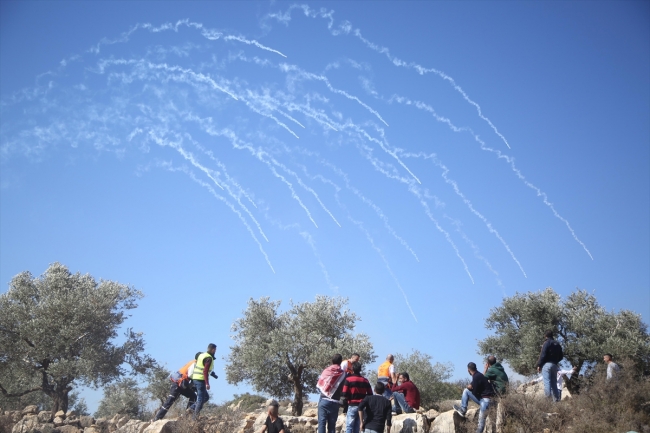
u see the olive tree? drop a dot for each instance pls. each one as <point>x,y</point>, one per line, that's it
<point>584,328</point>
<point>282,353</point>
<point>122,397</point>
<point>58,330</point>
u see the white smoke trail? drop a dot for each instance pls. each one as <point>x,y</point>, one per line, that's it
<point>222,199</point>
<point>467,202</point>
<point>346,28</point>
<point>500,155</point>
<point>383,258</point>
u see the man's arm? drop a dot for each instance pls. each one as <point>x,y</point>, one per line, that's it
<point>542,356</point>
<point>206,370</point>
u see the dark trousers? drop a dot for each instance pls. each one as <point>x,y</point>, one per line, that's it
<point>175,390</point>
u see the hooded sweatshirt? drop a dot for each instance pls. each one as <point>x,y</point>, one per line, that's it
<point>497,375</point>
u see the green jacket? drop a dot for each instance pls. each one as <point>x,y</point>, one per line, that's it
<point>498,377</point>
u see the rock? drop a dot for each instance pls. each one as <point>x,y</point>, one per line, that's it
<point>131,426</point>
<point>161,426</point>
<point>58,420</point>
<point>31,409</point>
<point>72,421</point>
<point>259,421</point>
<point>431,414</point>
<point>447,421</point>
<point>86,421</point>
<point>122,421</point>
<point>27,423</point>
<point>340,423</point>
<point>16,415</point>
<point>48,428</point>
<point>59,414</point>
<point>311,413</point>
<point>92,429</point>
<point>69,429</point>
<point>70,413</point>
<point>45,416</point>
<point>410,423</point>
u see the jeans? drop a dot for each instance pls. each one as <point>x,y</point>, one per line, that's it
<point>202,397</point>
<point>328,412</point>
<point>352,421</point>
<point>369,431</point>
<point>387,392</point>
<point>549,375</point>
<point>400,404</point>
<point>484,403</point>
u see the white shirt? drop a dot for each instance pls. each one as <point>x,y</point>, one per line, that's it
<point>560,378</point>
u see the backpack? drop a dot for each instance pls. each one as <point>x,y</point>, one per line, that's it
<point>555,353</point>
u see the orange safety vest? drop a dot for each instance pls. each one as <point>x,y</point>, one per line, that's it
<point>348,367</point>
<point>383,370</point>
<point>183,371</point>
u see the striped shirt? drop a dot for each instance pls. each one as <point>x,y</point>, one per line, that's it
<point>355,388</point>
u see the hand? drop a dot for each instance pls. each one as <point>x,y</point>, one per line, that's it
<point>539,370</point>
<point>469,387</point>
<point>207,387</point>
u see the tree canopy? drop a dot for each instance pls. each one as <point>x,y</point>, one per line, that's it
<point>282,353</point>
<point>58,330</point>
<point>585,330</point>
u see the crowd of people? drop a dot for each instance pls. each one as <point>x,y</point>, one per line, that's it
<point>368,408</point>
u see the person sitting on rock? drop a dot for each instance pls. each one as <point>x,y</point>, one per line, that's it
<point>495,373</point>
<point>480,391</point>
<point>406,396</point>
<point>386,375</point>
<point>375,411</point>
<point>273,423</point>
<point>181,385</point>
<point>355,389</point>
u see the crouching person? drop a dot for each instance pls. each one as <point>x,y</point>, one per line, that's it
<point>480,391</point>
<point>273,423</point>
<point>181,385</point>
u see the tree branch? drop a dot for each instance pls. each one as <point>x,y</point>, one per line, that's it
<point>18,394</point>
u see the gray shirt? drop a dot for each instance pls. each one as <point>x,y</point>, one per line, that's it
<point>612,369</point>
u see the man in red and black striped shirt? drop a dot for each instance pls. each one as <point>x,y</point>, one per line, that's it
<point>355,388</point>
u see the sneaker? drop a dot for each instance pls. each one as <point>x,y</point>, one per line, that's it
<point>459,410</point>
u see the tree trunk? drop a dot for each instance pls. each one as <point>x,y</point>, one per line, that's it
<point>59,401</point>
<point>296,409</point>
<point>573,383</point>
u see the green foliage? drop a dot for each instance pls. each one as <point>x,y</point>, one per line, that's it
<point>249,402</point>
<point>584,328</point>
<point>123,397</point>
<point>282,353</point>
<point>158,383</point>
<point>58,330</point>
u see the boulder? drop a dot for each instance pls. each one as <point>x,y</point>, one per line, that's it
<point>69,429</point>
<point>58,421</point>
<point>259,421</point>
<point>161,426</point>
<point>71,413</point>
<point>122,421</point>
<point>48,428</point>
<point>132,426</point>
<point>59,414</point>
<point>45,416</point>
<point>431,414</point>
<point>447,422</point>
<point>27,423</point>
<point>410,423</point>
<point>340,423</point>
<point>30,410</point>
<point>16,415</point>
<point>311,412</point>
<point>86,421</point>
<point>92,429</point>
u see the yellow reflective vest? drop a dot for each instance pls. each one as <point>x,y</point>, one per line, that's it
<point>198,369</point>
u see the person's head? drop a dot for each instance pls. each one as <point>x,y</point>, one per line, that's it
<point>337,359</point>
<point>471,368</point>
<point>491,360</point>
<point>212,348</point>
<point>607,358</point>
<point>403,377</point>
<point>274,407</point>
<point>356,367</point>
<point>549,334</point>
<point>354,358</point>
<point>390,358</point>
<point>379,388</point>
<point>197,355</point>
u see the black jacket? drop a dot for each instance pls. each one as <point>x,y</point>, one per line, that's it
<point>481,387</point>
<point>551,352</point>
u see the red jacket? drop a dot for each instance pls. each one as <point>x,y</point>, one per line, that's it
<point>411,393</point>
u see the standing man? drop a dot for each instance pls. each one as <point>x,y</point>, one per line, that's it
<point>612,367</point>
<point>181,385</point>
<point>375,412</point>
<point>406,396</point>
<point>347,364</point>
<point>480,391</point>
<point>386,375</point>
<point>355,389</point>
<point>330,385</point>
<point>203,369</point>
<point>549,358</point>
<point>495,373</point>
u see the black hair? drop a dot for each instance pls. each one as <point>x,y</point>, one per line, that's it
<point>405,375</point>
<point>356,367</point>
<point>610,355</point>
<point>471,367</point>
<point>212,346</point>
<point>549,333</point>
<point>337,359</point>
<point>491,360</point>
<point>379,388</point>
<point>356,354</point>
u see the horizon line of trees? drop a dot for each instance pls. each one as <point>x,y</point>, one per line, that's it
<point>58,331</point>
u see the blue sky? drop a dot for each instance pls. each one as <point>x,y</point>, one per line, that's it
<point>423,159</point>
